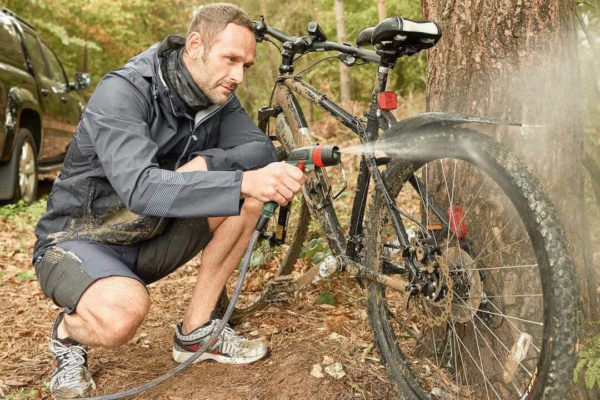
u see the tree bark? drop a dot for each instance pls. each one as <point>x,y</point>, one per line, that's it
<point>272,62</point>
<point>381,10</point>
<point>345,84</point>
<point>517,60</point>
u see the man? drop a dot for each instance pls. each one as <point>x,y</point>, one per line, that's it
<point>164,163</point>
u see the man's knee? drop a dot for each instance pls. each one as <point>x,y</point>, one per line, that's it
<point>251,208</point>
<point>114,308</point>
<point>119,327</point>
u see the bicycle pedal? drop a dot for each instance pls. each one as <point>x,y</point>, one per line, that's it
<point>280,289</point>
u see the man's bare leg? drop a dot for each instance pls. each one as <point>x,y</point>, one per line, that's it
<point>231,236</point>
<point>108,313</point>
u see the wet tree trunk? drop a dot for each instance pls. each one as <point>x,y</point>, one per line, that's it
<point>345,90</point>
<point>517,60</point>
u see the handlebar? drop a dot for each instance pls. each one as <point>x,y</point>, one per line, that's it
<point>308,44</point>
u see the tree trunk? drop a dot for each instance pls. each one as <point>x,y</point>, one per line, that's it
<point>345,88</point>
<point>381,10</point>
<point>517,60</point>
<point>272,62</point>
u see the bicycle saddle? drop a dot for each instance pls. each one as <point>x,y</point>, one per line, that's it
<point>401,34</point>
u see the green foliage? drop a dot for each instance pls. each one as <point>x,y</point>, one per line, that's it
<point>23,394</point>
<point>25,276</point>
<point>325,297</point>
<point>101,35</point>
<point>316,250</point>
<point>588,364</point>
<point>27,214</point>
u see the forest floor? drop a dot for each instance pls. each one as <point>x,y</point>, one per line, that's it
<point>301,334</point>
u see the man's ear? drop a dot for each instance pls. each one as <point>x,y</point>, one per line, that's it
<point>194,45</point>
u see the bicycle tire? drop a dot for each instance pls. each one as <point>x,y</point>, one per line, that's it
<point>417,365</point>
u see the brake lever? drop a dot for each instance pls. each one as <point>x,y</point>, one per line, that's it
<point>259,28</point>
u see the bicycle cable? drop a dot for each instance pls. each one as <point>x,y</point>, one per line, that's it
<point>157,381</point>
<point>313,64</point>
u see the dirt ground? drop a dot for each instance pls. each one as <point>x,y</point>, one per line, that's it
<point>301,334</point>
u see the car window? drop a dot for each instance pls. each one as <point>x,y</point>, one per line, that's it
<point>12,51</point>
<point>35,53</point>
<point>57,73</point>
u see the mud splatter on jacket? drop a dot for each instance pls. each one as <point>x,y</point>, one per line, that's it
<point>118,183</point>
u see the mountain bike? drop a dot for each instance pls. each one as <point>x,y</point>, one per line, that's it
<point>470,286</point>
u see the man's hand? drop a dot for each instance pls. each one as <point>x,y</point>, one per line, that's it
<point>277,181</point>
<point>195,164</point>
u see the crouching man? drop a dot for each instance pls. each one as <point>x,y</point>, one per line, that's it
<point>165,163</point>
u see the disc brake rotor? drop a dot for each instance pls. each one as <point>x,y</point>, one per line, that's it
<point>436,310</point>
<point>467,288</point>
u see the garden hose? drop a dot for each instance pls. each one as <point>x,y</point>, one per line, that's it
<point>206,345</point>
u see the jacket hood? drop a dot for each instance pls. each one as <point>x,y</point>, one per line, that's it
<point>147,64</point>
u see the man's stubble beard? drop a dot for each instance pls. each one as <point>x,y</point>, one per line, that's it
<point>210,90</point>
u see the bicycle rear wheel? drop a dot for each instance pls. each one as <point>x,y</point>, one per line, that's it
<point>495,317</point>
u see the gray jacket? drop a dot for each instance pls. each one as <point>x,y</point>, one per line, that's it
<point>118,182</point>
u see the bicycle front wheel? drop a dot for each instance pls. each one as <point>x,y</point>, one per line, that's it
<point>492,313</point>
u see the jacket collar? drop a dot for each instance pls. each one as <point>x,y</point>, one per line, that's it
<point>148,65</point>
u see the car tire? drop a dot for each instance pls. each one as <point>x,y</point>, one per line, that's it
<point>26,171</point>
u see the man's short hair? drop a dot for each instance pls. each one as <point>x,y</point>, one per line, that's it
<point>211,19</point>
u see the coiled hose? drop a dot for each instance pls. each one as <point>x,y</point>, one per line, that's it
<point>210,341</point>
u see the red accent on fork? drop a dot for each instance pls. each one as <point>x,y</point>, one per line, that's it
<point>457,225</point>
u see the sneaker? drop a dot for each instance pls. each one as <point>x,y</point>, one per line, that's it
<point>230,347</point>
<point>70,375</point>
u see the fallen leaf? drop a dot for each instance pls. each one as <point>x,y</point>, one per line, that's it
<point>317,371</point>
<point>327,360</point>
<point>335,370</point>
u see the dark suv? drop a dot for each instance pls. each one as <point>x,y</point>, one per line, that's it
<point>39,108</point>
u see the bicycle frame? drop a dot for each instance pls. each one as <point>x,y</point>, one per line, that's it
<point>284,100</point>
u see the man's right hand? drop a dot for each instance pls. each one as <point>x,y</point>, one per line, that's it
<point>278,181</point>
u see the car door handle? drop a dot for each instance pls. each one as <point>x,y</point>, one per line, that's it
<point>64,99</point>
<point>44,92</point>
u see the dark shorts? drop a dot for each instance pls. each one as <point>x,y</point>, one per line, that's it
<point>69,268</point>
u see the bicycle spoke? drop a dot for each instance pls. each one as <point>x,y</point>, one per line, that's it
<point>499,341</point>
<point>508,267</point>
<point>503,315</point>
<point>485,378</point>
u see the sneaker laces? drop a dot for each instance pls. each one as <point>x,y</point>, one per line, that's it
<point>228,333</point>
<point>70,358</point>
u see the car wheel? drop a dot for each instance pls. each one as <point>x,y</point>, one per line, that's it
<point>26,173</point>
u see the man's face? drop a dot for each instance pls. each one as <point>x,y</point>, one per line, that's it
<point>222,68</point>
